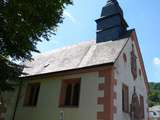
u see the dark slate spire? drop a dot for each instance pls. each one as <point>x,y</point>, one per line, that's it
<point>111,25</point>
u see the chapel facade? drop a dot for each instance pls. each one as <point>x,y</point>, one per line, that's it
<point>103,79</point>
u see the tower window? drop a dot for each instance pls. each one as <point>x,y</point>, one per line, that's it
<point>32,93</point>
<point>70,93</point>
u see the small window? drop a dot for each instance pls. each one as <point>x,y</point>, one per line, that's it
<point>32,93</point>
<point>70,93</point>
<point>124,57</point>
<point>140,73</point>
<point>125,98</point>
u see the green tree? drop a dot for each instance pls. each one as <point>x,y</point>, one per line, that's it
<point>154,96</point>
<point>23,23</point>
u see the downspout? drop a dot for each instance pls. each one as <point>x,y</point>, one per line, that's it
<point>17,100</point>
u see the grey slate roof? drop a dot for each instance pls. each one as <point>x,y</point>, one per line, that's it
<point>76,56</point>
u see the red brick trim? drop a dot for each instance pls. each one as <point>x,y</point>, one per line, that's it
<point>102,73</point>
<point>133,62</point>
<point>125,96</point>
<point>115,109</point>
<point>101,86</point>
<point>135,40</point>
<point>115,97</point>
<point>101,100</point>
<point>108,99</point>
<point>100,115</point>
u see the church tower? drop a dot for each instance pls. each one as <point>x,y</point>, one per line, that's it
<point>111,25</point>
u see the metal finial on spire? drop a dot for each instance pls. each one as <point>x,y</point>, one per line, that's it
<point>112,1</point>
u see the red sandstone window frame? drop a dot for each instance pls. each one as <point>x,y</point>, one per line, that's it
<point>32,94</point>
<point>142,106</point>
<point>70,99</point>
<point>125,98</point>
<point>133,63</point>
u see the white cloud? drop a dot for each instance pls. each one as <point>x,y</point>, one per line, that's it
<point>156,61</point>
<point>70,16</point>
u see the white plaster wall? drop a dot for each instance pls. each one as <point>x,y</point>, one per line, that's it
<point>123,75</point>
<point>48,101</point>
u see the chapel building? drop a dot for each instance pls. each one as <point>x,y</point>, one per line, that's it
<point>103,79</point>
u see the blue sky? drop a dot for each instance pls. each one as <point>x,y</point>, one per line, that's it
<point>79,25</point>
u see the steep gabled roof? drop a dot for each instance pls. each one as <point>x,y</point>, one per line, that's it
<point>82,55</point>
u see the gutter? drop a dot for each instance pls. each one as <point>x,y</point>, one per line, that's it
<point>67,72</point>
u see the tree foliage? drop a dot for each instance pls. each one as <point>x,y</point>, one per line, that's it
<point>23,23</point>
<point>154,96</point>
